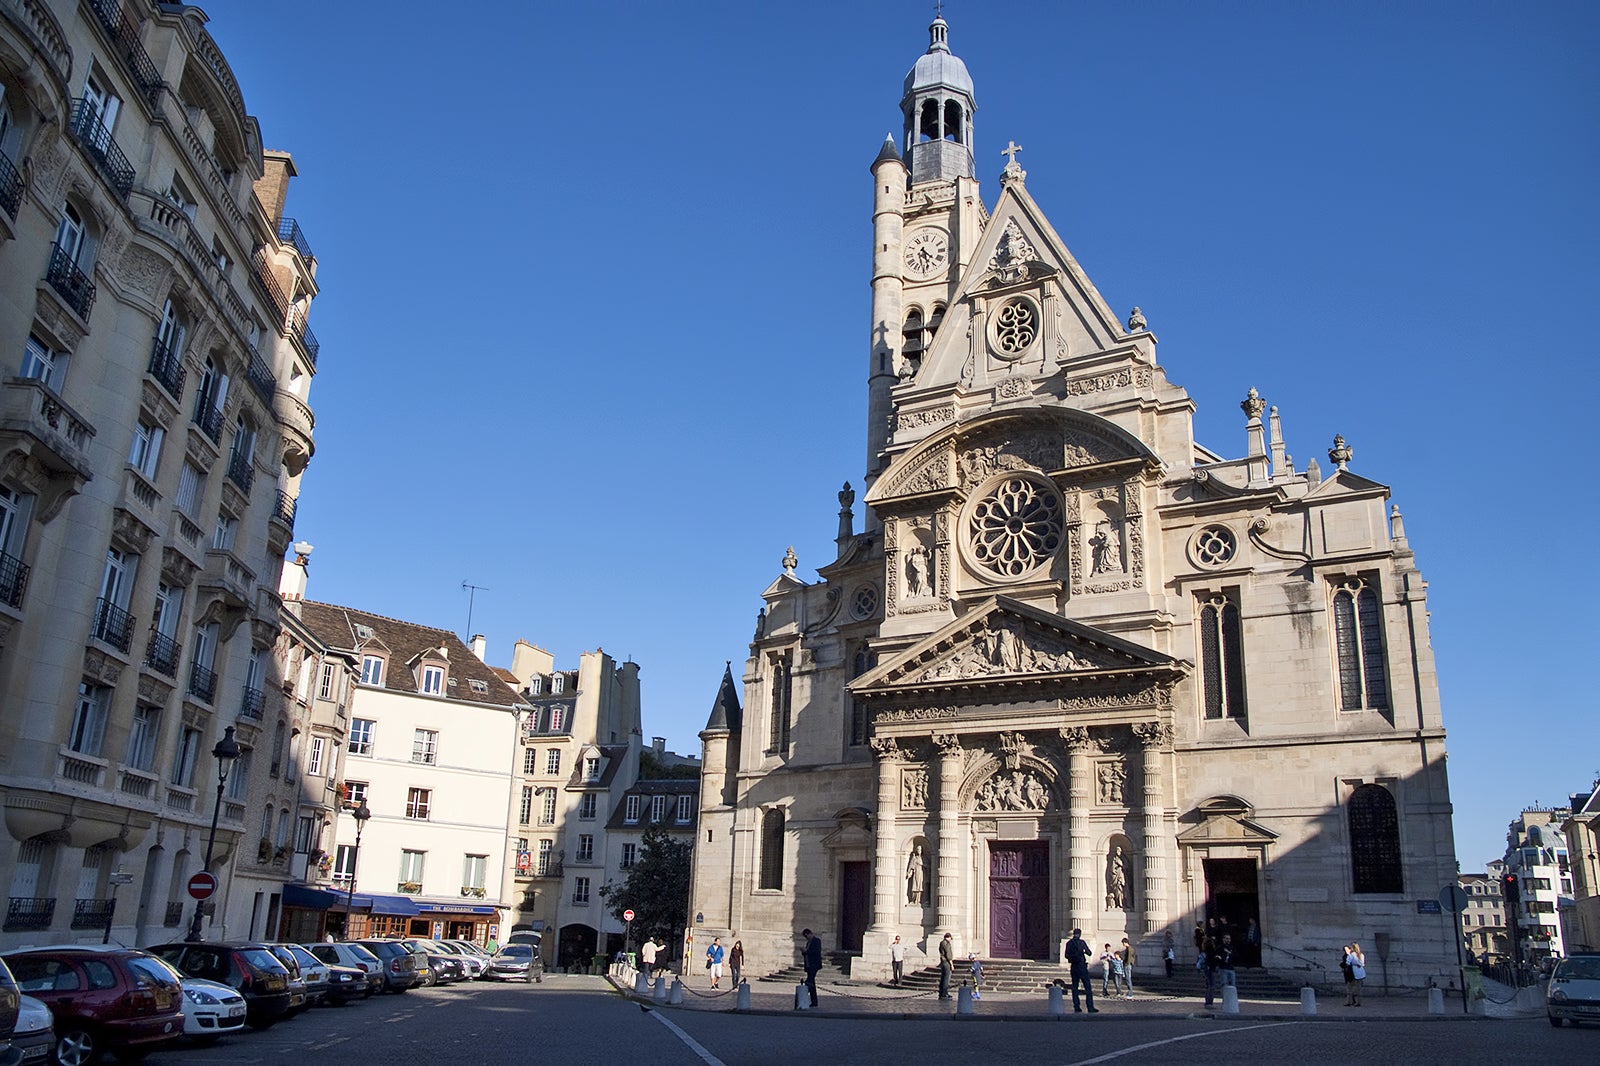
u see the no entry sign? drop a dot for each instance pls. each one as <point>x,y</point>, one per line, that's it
<point>201,885</point>
<point>627,915</point>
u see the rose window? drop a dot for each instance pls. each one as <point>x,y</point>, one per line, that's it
<point>1214,546</point>
<point>865,602</point>
<point>1016,526</point>
<point>1016,325</point>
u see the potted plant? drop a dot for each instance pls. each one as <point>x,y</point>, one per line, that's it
<point>263,850</point>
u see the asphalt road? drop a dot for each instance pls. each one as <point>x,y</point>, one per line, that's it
<point>577,1020</point>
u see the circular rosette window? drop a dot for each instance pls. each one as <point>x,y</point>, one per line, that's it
<point>1015,527</point>
<point>1014,327</point>
<point>1213,547</point>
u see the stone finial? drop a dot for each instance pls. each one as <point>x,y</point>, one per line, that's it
<point>1136,322</point>
<point>1397,526</point>
<point>1013,170</point>
<point>1313,474</point>
<point>1253,404</point>
<point>1341,453</point>
<point>790,561</point>
<point>847,496</point>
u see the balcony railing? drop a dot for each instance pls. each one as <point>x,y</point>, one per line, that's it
<point>124,36</point>
<point>261,378</point>
<point>14,577</point>
<point>73,284</point>
<point>309,339</point>
<point>283,512</point>
<point>30,912</point>
<point>112,624</point>
<point>208,418</point>
<point>174,915</point>
<point>202,683</point>
<point>250,704</point>
<point>10,186</point>
<point>91,913</point>
<point>162,654</point>
<point>269,284</point>
<point>167,368</point>
<point>241,472</point>
<point>289,230</point>
<point>96,140</point>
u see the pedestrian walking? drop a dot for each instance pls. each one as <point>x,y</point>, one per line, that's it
<point>976,965</point>
<point>736,961</point>
<point>1129,957</point>
<point>1077,952</point>
<point>1169,950</point>
<point>947,965</point>
<point>1108,960</point>
<point>897,961</point>
<point>1252,944</point>
<point>813,957</point>
<point>714,955</point>
<point>647,955</point>
<point>1229,977</point>
<point>1209,964</point>
<point>1357,961</point>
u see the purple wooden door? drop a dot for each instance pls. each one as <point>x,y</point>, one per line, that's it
<point>1019,900</point>
<point>855,904</point>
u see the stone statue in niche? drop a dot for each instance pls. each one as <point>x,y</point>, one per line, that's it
<point>916,875</point>
<point>1117,879</point>
<point>914,791</point>
<point>919,575</point>
<point>1105,549</point>
<point>1016,791</point>
<point>1112,778</point>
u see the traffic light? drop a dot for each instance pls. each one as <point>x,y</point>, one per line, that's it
<point>1510,888</point>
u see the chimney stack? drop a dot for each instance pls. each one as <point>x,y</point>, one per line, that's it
<point>480,646</point>
<point>292,585</point>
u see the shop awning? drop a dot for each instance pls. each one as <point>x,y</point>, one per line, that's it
<point>399,906</point>
<point>317,899</point>
<point>456,908</point>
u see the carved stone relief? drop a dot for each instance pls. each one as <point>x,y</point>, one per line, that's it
<point>935,416</point>
<point>914,790</point>
<point>916,714</point>
<point>1140,376</point>
<point>1017,790</point>
<point>1110,779</point>
<point>1002,649</point>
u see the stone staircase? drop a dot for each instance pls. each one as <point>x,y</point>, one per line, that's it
<point>1025,976</point>
<point>1186,981</point>
<point>835,971</point>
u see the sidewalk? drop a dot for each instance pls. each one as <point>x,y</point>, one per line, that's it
<point>871,1001</point>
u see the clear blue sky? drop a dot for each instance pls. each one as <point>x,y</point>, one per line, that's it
<point>595,300</point>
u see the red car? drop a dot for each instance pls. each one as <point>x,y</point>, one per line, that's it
<point>102,1000</point>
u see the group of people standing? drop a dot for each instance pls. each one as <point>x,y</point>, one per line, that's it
<point>1354,967</point>
<point>716,955</point>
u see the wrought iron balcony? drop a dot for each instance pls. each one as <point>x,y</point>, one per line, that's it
<point>174,915</point>
<point>162,654</point>
<point>14,579</point>
<point>268,282</point>
<point>208,418</point>
<point>96,141</point>
<point>261,378</point>
<point>112,624</point>
<point>309,339</point>
<point>73,284</point>
<point>10,186</point>
<point>167,368</point>
<point>240,472</point>
<point>289,230</point>
<point>202,683</point>
<point>92,913</point>
<point>250,704</point>
<point>283,513</point>
<point>124,34</point>
<point>30,912</point>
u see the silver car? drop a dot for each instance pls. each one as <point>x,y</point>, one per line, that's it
<point>517,962</point>
<point>35,1033</point>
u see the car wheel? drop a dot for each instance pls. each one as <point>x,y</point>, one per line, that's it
<point>76,1047</point>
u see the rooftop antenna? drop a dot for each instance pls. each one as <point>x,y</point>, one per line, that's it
<point>471,598</point>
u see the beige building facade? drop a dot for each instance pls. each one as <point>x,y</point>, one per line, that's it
<point>154,429</point>
<point>1075,669</point>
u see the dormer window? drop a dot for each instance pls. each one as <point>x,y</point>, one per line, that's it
<point>432,680</point>
<point>480,687</point>
<point>535,684</point>
<point>631,811</point>
<point>372,670</point>
<point>557,684</point>
<point>591,767</point>
<point>658,809</point>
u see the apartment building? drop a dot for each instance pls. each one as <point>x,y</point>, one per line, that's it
<point>154,430</point>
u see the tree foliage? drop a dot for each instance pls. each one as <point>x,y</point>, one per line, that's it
<point>656,888</point>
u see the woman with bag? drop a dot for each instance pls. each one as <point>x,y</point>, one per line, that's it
<point>1357,961</point>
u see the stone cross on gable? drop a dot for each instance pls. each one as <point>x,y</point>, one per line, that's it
<point>1010,152</point>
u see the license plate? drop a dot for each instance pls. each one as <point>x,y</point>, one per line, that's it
<point>37,1052</point>
<point>236,1012</point>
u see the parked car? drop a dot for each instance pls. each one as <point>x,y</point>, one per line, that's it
<point>1573,994</point>
<point>353,956</point>
<point>298,1000</point>
<point>475,963</point>
<point>211,1009</point>
<point>35,1034</point>
<point>249,969</point>
<point>402,970</point>
<point>10,1007</point>
<point>313,971</point>
<point>441,967</point>
<point>102,1000</point>
<point>517,962</point>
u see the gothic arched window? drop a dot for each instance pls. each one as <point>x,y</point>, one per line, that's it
<point>1358,636</point>
<point>771,849</point>
<point>1374,840</point>
<point>1221,658</point>
<point>782,687</point>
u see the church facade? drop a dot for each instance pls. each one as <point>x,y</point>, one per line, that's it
<point>1076,669</point>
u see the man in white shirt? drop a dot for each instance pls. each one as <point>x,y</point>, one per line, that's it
<point>648,955</point>
<point>897,959</point>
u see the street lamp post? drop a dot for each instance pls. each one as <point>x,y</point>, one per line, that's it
<point>360,814</point>
<point>226,751</point>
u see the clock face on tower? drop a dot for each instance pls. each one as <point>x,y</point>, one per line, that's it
<point>926,252</point>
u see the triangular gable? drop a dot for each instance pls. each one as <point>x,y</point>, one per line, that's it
<point>1224,822</point>
<point>1345,483</point>
<point>1003,639</point>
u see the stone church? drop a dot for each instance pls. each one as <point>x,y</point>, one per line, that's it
<point>1076,668</point>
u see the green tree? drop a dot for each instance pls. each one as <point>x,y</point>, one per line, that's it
<point>656,888</point>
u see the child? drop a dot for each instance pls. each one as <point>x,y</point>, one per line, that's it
<point>1107,957</point>
<point>977,974</point>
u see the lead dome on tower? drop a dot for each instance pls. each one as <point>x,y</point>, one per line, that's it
<point>938,67</point>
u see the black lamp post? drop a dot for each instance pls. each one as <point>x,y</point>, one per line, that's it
<point>360,814</point>
<point>224,753</point>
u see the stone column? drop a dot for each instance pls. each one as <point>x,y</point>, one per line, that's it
<point>1154,739</point>
<point>948,880</point>
<point>885,873</point>
<point>1081,887</point>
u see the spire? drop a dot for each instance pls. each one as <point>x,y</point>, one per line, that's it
<point>888,153</point>
<point>725,710</point>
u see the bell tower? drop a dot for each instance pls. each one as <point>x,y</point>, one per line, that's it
<point>938,109</point>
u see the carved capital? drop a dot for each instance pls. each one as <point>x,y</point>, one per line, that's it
<point>1153,736</point>
<point>949,744</point>
<point>887,749</point>
<point>1076,739</point>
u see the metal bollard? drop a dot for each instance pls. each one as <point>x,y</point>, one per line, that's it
<point>1058,1002</point>
<point>1230,999</point>
<point>964,1000</point>
<point>1435,1001</point>
<point>742,996</point>
<point>675,995</point>
<point>802,997</point>
<point>1308,1000</point>
<point>641,985</point>
<point>661,990</point>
